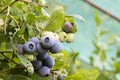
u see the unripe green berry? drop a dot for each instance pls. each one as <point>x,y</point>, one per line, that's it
<point>62,36</point>
<point>70,37</point>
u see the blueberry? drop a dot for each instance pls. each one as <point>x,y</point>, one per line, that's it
<point>60,77</point>
<point>42,56</point>
<point>29,47</point>
<point>49,61</point>
<point>35,40</point>
<point>20,49</point>
<point>41,50</point>
<point>67,27</point>
<point>37,64</point>
<point>44,71</point>
<point>56,48</point>
<point>47,42</point>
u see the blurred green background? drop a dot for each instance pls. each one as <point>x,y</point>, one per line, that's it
<point>84,35</point>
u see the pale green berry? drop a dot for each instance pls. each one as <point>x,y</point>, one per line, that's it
<point>70,37</point>
<point>62,36</point>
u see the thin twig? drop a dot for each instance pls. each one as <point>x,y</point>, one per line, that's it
<point>103,10</point>
<point>8,5</point>
<point>6,19</point>
<point>14,20</point>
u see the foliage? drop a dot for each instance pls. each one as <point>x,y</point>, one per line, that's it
<point>22,19</point>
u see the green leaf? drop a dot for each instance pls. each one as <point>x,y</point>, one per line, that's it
<point>77,16</point>
<point>103,55</point>
<point>104,32</point>
<point>96,51</point>
<point>62,60</point>
<point>83,75</point>
<point>51,5</point>
<point>30,17</point>
<point>118,53</point>
<point>26,63</point>
<point>19,77</point>
<point>72,67</point>
<point>97,18</point>
<point>30,30</point>
<point>56,20</point>
<point>117,66</point>
<point>3,46</point>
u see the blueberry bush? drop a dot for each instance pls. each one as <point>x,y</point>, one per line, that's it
<point>31,33</point>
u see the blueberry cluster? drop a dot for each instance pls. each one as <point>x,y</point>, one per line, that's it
<point>42,47</point>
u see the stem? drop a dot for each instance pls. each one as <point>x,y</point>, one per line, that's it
<point>103,10</point>
<point>6,19</point>
<point>8,5</point>
<point>14,20</point>
<point>6,51</point>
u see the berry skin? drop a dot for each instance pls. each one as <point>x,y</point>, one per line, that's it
<point>42,56</point>
<point>37,64</point>
<point>20,49</point>
<point>49,61</point>
<point>29,47</point>
<point>67,27</point>
<point>41,50</point>
<point>35,40</point>
<point>56,48</point>
<point>44,71</point>
<point>47,42</point>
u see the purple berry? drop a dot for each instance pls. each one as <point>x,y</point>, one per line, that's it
<point>29,47</point>
<point>35,40</point>
<point>41,50</point>
<point>37,64</point>
<point>49,61</point>
<point>67,27</point>
<point>56,48</point>
<point>42,56</point>
<point>20,49</point>
<point>44,71</point>
<point>47,42</point>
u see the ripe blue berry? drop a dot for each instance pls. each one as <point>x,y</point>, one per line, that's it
<point>56,48</point>
<point>20,49</point>
<point>35,40</point>
<point>37,64</point>
<point>29,47</point>
<point>67,27</point>
<point>47,42</point>
<point>42,56</point>
<point>44,71</point>
<point>49,62</point>
<point>41,50</point>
